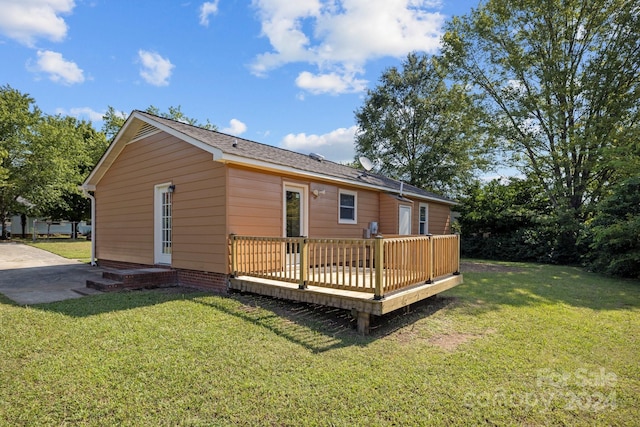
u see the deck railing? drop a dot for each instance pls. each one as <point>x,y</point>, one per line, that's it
<point>379,265</point>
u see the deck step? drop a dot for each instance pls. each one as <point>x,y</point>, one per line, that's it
<point>139,278</point>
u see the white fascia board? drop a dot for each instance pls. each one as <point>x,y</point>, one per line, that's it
<point>260,164</point>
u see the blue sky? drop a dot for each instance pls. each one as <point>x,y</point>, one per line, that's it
<point>282,72</point>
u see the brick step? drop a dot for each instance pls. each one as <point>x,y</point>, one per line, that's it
<point>105,285</point>
<point>143,277</point>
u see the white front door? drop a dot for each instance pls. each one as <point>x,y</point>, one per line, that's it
<point>162,239</point>
<point>404,218</point>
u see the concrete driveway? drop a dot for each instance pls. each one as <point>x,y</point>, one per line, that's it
<point>32,276</point>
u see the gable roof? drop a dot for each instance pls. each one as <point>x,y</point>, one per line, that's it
<point>235,150</point>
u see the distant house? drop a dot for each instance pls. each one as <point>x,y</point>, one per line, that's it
<point>170,194</point>
<point>44,226</point>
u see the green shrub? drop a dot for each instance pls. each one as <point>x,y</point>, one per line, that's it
<point>614,238</point>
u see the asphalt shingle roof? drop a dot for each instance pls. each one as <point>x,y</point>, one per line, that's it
<point>252,150</point>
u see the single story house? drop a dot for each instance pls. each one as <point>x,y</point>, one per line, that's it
<point>170,194</point>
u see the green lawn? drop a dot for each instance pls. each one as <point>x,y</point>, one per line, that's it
<point>72,249</point>
<point>532,345</point>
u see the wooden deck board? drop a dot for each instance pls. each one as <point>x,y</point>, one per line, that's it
<point>350,300</point>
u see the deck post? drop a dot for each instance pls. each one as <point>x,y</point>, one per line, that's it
<point>378,259</point>
<point>431,259</point>
<point>304,262</point>
<point>234,255</point>
<point>364,320</point>
<point>458,257</point>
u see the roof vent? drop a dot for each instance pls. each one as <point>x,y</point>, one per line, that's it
<point>316,156</point>
<point>144,131</point>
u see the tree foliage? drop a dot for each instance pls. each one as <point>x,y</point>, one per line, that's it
<point>421,130</point>
<point>508,220</point>
<point>89,145</point>
<point>43,157</point>
<point>562,79</point>
<point>615,232</point>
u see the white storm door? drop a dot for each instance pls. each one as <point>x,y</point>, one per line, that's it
<point>162,239</point>
<point>404,218</point>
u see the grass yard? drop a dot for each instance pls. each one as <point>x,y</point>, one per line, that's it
<point>517,344</point>
<point>72,249</point>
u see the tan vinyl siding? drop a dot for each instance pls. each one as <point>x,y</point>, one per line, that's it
<point>439,218</point>
<point>254,203</point>
<point>124,218</point>
<point>388,214</point>
<point>323,217</point>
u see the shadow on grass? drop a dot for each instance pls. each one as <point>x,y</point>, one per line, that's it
<point>314,327</point>
<point>118,301</point>
<point>536,284</point>
<point>320,328</point>
<point>6,301</point>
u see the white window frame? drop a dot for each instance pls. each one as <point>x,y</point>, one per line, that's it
<point>355,207</point>
<point>426,217</point>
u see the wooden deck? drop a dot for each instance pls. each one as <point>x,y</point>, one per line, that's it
<point>361,303</point>
<point>367,276</point>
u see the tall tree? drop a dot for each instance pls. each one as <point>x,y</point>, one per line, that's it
<point>38,155</point>
<point>89,145</point>
<point>562,82</point>
<point>422,131</point>
<point>18,119</point>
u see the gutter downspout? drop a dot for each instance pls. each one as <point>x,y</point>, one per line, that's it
<point>93,224</point>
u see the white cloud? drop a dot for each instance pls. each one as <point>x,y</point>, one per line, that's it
<point>59,69</point>
<point>208,8</point>
<point>82,113</point>
<point>333,83</point>
<point>27,20</point>
<point>236,127</point>
<point>337,145</point>
<point>155,70</point>
<point>340,36</point>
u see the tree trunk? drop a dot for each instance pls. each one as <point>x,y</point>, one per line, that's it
<point>3,219</point>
